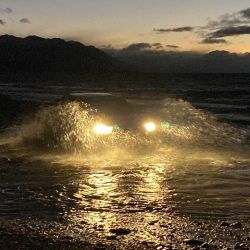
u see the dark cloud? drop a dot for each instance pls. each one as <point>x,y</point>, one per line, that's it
<point>2,22</point>
<point>157,46</point>
<point>135,47</point>
<point>228,25</point>
<point>229,20</point>
<point>179,29</point>
<point>231,31</point>
<point>245,13</point>
<point>6,10</point>
<point>225,21</point>
<point>24,20</point>
<point>172,46</point>
<point>211,40</point>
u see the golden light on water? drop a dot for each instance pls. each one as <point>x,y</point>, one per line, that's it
<point>150,126</point>
<point>102,129</point>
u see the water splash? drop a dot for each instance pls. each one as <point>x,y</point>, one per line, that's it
<point>124,171</point>
<point>194,126</point>
<point>68,128</point>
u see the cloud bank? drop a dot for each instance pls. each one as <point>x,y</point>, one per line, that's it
<point>134,48</point>
<point>214,32</point>
<point>211,40</point>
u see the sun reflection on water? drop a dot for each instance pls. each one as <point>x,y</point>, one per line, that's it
<point>151,188</point>
<point>98,190</point>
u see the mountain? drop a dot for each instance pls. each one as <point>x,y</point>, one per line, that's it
<point>160,61</point>
<point>35,54</point>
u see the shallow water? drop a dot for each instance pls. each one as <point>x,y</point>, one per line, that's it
<point>52,166</point>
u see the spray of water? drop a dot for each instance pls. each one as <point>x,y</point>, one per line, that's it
<point>68,128</point>
<point>198,128</point>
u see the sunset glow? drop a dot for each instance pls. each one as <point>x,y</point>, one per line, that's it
<point>121,23</point>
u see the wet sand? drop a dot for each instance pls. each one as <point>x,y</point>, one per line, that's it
<point>135,230</point>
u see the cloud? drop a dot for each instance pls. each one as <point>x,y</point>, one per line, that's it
<point>157,46</point>
<point>224,21</point>
<point>211,40</point>
<point>178,29</point>
<point>229,20</point>
<point>231,31</point>
<point>6,10</point>
<point>245,13</point>
<point>214,31</point>
<point>2,22</point>
<point>24,20</point>
<point>136,47</point>
<point>172,46</point>
<point>228,25</point>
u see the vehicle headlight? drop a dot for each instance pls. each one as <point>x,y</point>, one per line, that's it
<point>150,126</point>
<point>102,129</point>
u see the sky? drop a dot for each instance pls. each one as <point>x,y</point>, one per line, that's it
<point>179,25</point>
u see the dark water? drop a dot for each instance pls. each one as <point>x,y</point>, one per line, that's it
<point>200,166</point>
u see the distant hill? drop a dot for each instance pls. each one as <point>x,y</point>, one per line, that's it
<point>161,61</point>
<point>38,59</point>
<point>35,54</point>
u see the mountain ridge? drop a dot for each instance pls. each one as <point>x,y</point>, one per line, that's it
<point>37,54</point>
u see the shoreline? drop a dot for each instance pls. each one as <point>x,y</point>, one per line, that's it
<point>134,230</point>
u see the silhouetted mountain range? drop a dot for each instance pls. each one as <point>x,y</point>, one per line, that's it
<point>35,57</point>
<point>161,61</point>
<point>36,54</point>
